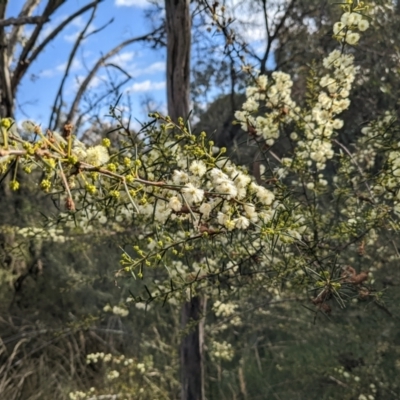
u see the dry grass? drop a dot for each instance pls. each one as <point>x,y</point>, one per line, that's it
<point>39,364</point>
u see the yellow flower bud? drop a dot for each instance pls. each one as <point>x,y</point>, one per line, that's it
<point>45,185</point>
<point>90,189</point>
<point>115,193</point>
<point>14,185</point>
<point>106,142</point>
<point>6,122</point>
<point>112,167</point>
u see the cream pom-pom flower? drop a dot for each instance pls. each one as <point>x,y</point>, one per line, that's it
<point>97,155</point>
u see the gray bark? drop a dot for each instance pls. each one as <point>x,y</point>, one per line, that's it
<point>192,350</point>
<point>6,97</point>
<point>178,24</point>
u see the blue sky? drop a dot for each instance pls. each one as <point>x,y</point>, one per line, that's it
<point>146,66</point>
<point>37,92</point>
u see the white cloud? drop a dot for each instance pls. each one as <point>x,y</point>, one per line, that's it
<point>158,66</point>
<point>132,3</point>
<point>77,81</point>
<point>124,60</point>
<point>95,81</point>
<point>72,37</point>
<point>75,66</point>
<point>60,68</point>
<point>146,86</point>
<point>79,22</point>
<point>136,71</point>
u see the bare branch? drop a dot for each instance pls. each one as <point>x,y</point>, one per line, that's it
<point>17,30</point>
<point>25,59</point>
<point>94,104</point>
<point>272,36</point>
<point>22,64</point>
<point>83,87</point>
<point>55,115</point>
<point>23,21</point>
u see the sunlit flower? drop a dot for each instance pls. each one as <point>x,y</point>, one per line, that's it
<point>352,38</point>
<point>122,312</point>
<point>175,204</point>
<point>338,27</point>
<point>205,209</point>
<point>97,155</point>
<point>363,25</point>
<point>350,18</point>
<point>180,177</point>
<point>198,168</point>
<point>241,222</point>
<point>113,375</point>
<point>193,194</point>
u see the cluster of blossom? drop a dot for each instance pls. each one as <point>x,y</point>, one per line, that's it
<point>114,374</point>
<point>348,376</point>
<point>366,156</point>
<point>319,124</point>
<point>51,233</point>
<point>78,395</point>
<point>334,90</point>
<point>222,351</point>
<point>93,358</point>
<point>224,309</point>
<point>118,368</point>
<point>344,30</point>
<point>182,276</point>
<point>379,136</point>
<point>116,310</point>
<point>227,317</point>
<point>275,98</point>
<point>217,194</point>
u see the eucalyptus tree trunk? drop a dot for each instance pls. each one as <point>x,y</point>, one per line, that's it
<point>178,23</point>
<point>6,96</point>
